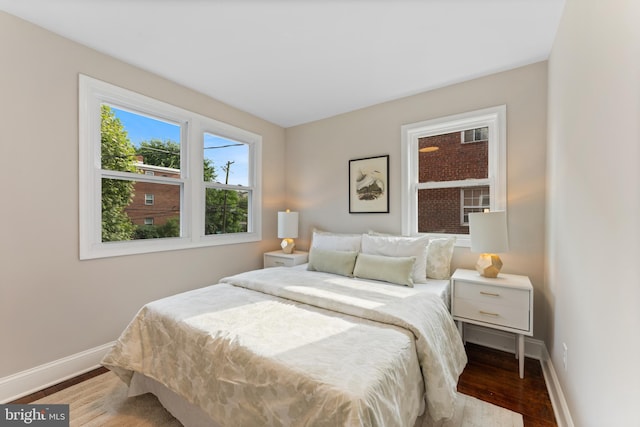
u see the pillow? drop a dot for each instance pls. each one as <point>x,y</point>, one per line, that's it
<point>398,270</point>
<point>439,254</point>
<point>335,241</point>
<point>336,262</point>
<point>400,246</point>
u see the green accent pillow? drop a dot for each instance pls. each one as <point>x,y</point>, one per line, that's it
<point>398,270</point>
<point>336,262</point>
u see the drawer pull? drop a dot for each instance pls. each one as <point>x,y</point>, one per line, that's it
<point>278,262</point>
<point>487,313</point>
<point>491,294</point>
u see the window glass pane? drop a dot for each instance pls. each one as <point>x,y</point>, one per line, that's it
<point>117,195</point>
<point>116,151</point>
<point>225,161</point>
<point>439,211</point>
<point>226,211</point>
<point>136,143</point>
<point>127,215</point>
<point>451,160</point>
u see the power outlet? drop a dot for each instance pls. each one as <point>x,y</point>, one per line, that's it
<point>564,355</point>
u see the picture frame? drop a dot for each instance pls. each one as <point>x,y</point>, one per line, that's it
<point>369,185</point>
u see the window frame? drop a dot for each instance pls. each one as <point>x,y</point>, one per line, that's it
<point>493,117</point>
<point>92,94</point>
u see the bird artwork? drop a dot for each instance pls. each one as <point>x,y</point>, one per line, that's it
<point>369,184</point>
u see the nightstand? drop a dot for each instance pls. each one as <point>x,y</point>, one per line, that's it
<point>504,303</point>
<point>280,259</point>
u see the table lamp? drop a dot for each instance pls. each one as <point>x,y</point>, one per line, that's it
<point>287,230</point>
<point>488,232</point>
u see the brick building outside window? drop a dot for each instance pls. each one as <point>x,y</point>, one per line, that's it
<point>443,160</point>
<point>154,204</point>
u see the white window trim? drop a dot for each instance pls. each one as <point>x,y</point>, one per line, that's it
<point>92,93</point>
<point>496,119</point>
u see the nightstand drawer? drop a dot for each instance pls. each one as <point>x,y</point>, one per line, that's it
<point>501,315</point>
<point>281,259</point>
<point>275,261</point>
<point>517,299</point>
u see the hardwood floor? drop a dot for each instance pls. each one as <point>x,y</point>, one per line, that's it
<point>491,375</point>
<point>60,386</point>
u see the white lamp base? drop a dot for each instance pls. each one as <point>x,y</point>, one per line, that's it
<point>287,245</point>
<point>489,265</point>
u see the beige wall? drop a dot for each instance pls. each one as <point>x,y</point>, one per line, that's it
<point>318,155</point>
<point>594,202</point>
<point>51,304</point>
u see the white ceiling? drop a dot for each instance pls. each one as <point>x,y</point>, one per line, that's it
<point>295,61</point>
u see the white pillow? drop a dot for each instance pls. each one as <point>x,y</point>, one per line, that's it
<point>336,241</point>
<point>439,254</point>
<point>400,246</point>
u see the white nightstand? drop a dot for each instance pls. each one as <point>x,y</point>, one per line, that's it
<point>280,259</point>
<point>504,303</point>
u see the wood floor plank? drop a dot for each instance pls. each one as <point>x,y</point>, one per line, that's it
<point>492,375</point>
<point>60,386</point>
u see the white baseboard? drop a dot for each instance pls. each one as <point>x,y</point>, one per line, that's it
<point>560,407</point>
<point>533,348</point>
<point>26,382</point>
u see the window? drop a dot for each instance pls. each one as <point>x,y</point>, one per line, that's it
<point>474,199</point>
<point>195,179</point>
<point>475,135</point>
<point>452,166</point>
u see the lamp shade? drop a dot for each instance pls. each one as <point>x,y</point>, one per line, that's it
<point>287,225</point>
<point>488,232</point>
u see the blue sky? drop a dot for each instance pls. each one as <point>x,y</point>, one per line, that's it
<point>219,150</point>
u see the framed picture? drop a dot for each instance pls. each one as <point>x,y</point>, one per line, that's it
<point>369,185</point>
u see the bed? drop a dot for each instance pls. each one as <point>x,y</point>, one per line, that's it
<point>299,346</point>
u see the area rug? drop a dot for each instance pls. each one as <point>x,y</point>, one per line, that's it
<point>102,401</point>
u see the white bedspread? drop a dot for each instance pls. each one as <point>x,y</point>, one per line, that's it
<point>440,349</point>
<point>335,352</point>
